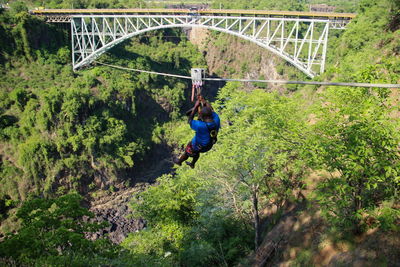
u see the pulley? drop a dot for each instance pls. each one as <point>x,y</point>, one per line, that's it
<point>198,75</point>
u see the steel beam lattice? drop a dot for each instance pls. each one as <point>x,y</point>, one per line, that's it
<point>302,42</point>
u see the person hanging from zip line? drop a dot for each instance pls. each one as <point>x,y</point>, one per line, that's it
<point>206,129</point>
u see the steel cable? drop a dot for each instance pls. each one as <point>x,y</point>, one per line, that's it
<point>375,85</point>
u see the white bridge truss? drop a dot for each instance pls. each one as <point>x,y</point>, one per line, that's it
<point>302,42</point>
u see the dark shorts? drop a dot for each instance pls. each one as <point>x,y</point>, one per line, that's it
<point>192,151</point>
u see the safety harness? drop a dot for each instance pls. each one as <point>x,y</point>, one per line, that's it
<point>213,132</point>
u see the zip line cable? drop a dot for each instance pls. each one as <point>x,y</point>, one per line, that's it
<point>262,81</point>
<point>145,71</point>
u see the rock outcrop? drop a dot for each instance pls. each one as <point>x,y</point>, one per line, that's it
<point>113,208</point>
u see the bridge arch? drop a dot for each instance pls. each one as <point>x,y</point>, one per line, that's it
<point>301,42</point>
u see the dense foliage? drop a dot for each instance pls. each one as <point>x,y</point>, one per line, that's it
<point>63,130</point>
<point>373,34</point>
<point>76,4</point>
<point>357,139</point>
<point>52,233</point>
<point>291,5</point>
<point>357,129</point>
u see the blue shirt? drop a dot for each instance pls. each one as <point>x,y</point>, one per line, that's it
<point>202,137</point>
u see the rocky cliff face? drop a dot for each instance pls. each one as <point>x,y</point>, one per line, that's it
<point>119,225</point>
<point>229,56</point>
<point>113,207</point>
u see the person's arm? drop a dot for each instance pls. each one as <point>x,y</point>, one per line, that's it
<point>191,115</point>
<point>204,102</point>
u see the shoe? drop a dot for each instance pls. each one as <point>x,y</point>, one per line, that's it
<point>177,162</point>
<point>190,164</point>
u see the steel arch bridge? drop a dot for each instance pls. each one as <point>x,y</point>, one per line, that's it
<point>301,40</point>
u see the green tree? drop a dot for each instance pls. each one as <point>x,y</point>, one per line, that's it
<point>264,164</point>
<point>18,7</point>
<point>53,232</point>
<point>169,208</point>
<point>356,138</point>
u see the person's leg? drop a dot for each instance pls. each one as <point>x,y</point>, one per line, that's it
<point>181,159</point>
<point>195,158</point>
<point>188,153</point>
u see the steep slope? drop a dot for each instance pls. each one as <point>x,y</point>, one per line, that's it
<point>85,131</point>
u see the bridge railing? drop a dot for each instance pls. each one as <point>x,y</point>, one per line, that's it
<point>64,15</point>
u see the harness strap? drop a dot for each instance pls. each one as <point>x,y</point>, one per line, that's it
<point>213,138</point>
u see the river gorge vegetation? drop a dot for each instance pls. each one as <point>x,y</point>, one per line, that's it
<point>334,152</point>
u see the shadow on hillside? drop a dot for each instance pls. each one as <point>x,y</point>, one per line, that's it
<point>301,237</point>
<point>153,163</point>
<point>211,88</point>
<point>157,66</point>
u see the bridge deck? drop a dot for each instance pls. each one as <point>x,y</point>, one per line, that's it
<point>214,12</point>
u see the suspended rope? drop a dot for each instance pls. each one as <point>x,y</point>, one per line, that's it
<point>375,85</point>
